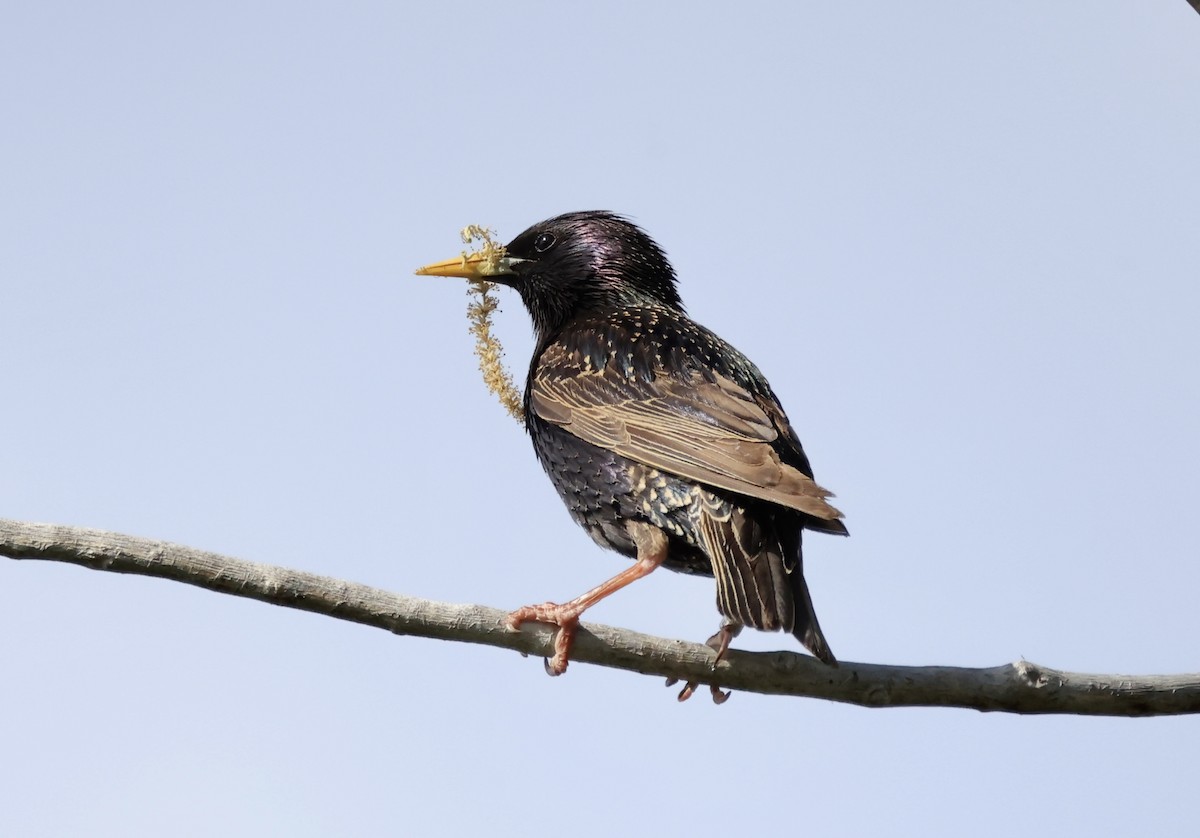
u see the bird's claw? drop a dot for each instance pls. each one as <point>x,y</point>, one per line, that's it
<point>719,643</point>
<point>719,696</point>
<point>567,621</point>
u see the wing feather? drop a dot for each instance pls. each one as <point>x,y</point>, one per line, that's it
<point>700,427</point>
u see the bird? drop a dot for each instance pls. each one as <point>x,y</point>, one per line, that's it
<point>665,442</point>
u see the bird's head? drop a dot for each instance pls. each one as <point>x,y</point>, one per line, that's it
<point>573,265</point>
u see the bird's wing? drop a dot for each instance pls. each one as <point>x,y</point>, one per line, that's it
<point>703,428</point>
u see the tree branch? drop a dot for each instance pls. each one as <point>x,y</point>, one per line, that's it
<point>1020,687</point>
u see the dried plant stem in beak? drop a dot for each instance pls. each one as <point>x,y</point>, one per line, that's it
<point>491,354</point>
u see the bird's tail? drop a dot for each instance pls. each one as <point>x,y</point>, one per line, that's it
<point>804,626</point>
<point>759,572</point>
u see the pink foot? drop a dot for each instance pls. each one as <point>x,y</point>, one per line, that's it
<point>566,617</point>
<point>719,643</point>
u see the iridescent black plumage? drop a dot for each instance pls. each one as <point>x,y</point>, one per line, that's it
<point>665,442</point>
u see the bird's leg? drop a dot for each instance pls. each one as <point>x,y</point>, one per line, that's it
<point>719,643</point>
<point>651,545</point>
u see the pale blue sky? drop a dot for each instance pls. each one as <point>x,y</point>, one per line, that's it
<point>960,239</point>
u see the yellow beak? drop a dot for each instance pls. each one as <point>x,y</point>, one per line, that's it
<point>474,266</point>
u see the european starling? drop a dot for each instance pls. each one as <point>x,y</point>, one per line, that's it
<point>666,443</point>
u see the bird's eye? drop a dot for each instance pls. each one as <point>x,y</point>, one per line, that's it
<point>543,242</point>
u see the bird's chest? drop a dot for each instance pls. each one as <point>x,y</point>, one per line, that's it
<point>602,490</point>
<point>588,478</point>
